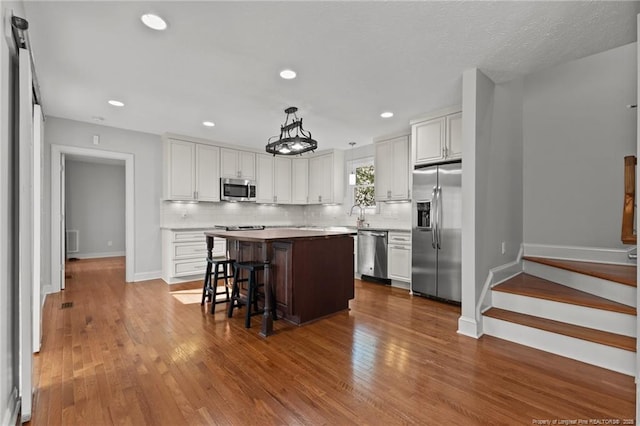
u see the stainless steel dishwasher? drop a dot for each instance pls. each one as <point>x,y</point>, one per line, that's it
<point>372,255</point>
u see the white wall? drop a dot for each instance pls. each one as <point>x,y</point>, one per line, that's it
<point>492,185</point>
<point>95,198</point>
<point>576,134</point>
<point>147,151</point>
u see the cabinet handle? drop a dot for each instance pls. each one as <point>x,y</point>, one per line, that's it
<point>319,198</point>
<point>400,247</point>
<point>275,198</point>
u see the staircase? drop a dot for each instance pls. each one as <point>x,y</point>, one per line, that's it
<point>581,310</point>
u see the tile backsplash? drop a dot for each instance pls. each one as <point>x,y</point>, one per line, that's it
<point>203,215</point>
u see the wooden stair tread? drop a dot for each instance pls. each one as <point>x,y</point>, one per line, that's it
<point>589,334</point>
<point>529,285</point>
<point>622,274</point>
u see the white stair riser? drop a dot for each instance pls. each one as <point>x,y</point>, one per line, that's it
<point>603,356</point>
<point>613,322</point>
<point>603,288</point>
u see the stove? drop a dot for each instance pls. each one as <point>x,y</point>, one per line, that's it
<point>240,227</point>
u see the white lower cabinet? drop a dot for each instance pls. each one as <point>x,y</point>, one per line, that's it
<point>399,256</point>
<point>184,254</point>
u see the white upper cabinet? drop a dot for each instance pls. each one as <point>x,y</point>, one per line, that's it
<point>191,171</point>
<point>392,169</point>
<point>437,139</point>
<point>207,173</point>
<point>282,180</point>
<point>237,164</point>
<point>299,180</point>
<point>326,178</point>
<point>264,179</point>
<point>454,136</point>
<point>273,179</point>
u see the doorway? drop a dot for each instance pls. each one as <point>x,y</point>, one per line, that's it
<point>59,154</point>
<point>94,209</point>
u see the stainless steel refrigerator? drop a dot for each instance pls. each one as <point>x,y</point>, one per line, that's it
<point>436,231</point>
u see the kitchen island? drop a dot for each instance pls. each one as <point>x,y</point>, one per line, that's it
<point>310,272</point>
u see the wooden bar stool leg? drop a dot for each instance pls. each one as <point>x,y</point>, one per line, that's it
<point>207,284</point>
<point>214,288</point>
<point>235,293</point>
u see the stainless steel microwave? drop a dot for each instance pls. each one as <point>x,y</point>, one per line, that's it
<point>237,189</point>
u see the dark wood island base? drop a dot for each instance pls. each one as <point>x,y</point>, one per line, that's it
<point>311,272</point>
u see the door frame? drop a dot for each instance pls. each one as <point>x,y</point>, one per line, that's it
<point>57,210</point>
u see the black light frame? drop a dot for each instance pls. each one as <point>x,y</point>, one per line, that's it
<point>285,143</point>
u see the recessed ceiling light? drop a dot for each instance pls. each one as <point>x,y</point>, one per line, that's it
<point>116,103</point>
<point>154,22</point>
<point>386,114</point>
<point>208,123</point>
<point>288,74</point>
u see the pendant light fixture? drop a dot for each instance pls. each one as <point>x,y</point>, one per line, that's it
<point>293,139</point>
<point>352,175</point>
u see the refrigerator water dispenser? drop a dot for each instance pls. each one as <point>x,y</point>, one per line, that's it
<point>424,214</point>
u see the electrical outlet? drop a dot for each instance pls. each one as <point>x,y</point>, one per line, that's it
<point>109,243</point>
<point>503,247</point>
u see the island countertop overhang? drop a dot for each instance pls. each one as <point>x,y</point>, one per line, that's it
<point>276,234</point>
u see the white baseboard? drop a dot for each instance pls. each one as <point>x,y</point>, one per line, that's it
<point>146,276</point>
<point>468,327</point>
<point>587,254</point>
<point>400,284</point>
<point>96,255</point>
<point>10,414</point>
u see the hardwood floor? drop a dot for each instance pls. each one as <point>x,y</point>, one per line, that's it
<point>148,353</point>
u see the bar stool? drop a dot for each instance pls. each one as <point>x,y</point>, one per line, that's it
<point>219,268</point>
<point>251,299</point>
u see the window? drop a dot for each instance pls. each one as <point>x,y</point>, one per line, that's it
<point>363,192</point>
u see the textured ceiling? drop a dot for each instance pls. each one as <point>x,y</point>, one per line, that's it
<point>220,61</point>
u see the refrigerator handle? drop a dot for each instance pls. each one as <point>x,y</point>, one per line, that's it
<point>439,237</point>
<point>433,225</point>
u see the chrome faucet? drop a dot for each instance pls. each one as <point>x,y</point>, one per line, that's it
<point>360,220</point>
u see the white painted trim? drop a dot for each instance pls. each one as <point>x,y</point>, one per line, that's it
<point>25,233</point>
<point>586,254</point>
<point>496,276</point>
<point>146,276</point>
<point>603,356</point>
<point>583,316</point>
<point>56,152</point>
<point>617,292</point>
<point>10,416</point>
<point>184,279</point>
<point>467,323</point>
<point>98,255</point>
<point>37,164</point>
<point>468,327</point>
<point>439,113</point>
